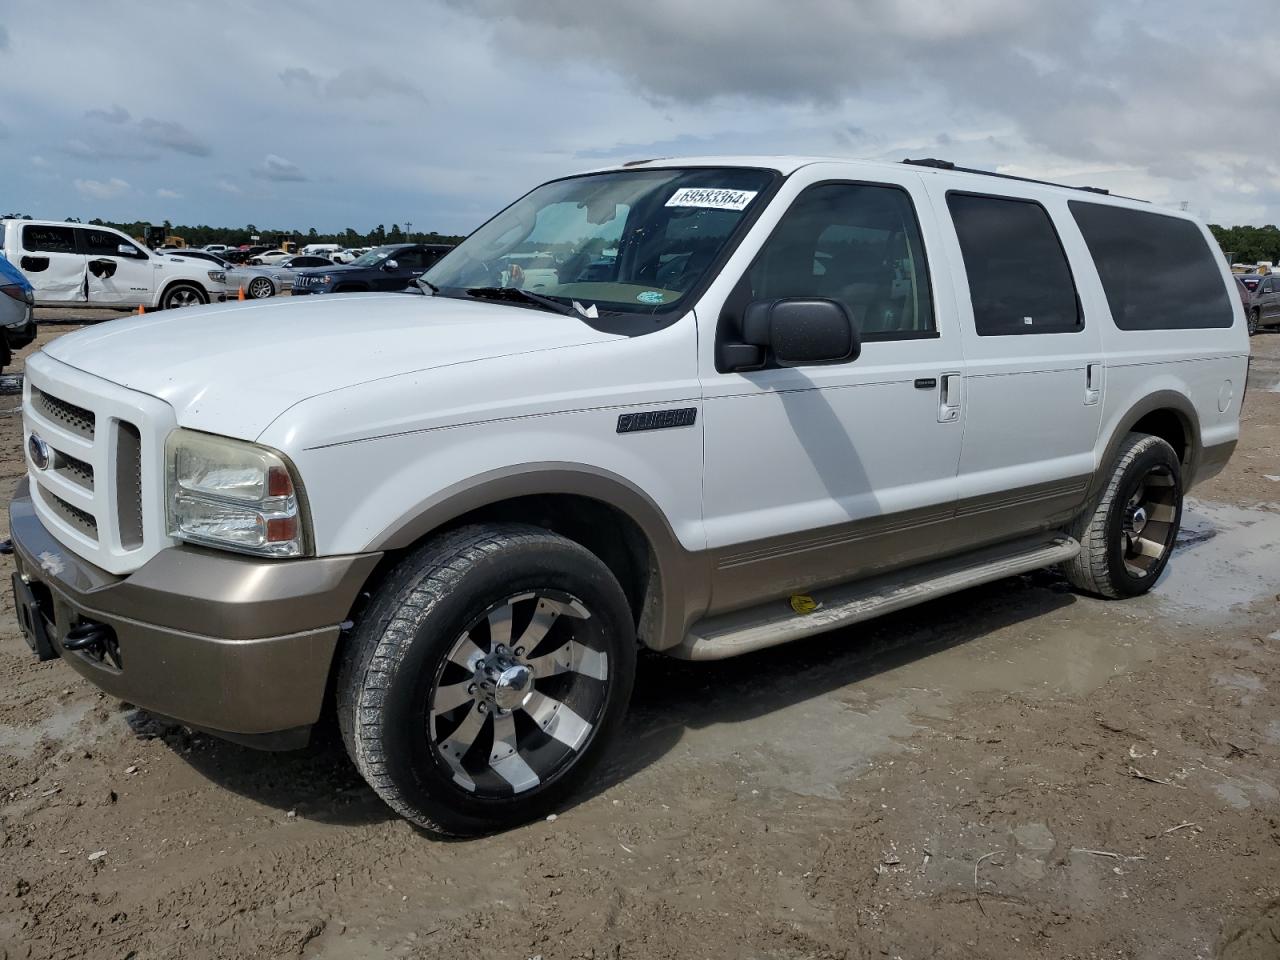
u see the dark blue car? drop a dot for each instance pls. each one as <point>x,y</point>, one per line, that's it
<point>391,267</point>
<point>17,311</point>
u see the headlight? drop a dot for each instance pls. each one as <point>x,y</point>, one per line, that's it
<point>217,276</point>
<point>234,495</point>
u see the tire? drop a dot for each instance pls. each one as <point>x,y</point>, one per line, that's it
<point>183,295</point>
<point>1255,321</point>
<point>260,288</point>
<point>416,722</point>
<point>1124,551</point>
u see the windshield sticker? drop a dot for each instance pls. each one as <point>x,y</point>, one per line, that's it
<point>650,296</point>
<point>712,198</point>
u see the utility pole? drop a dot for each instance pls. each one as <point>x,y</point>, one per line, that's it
<point>408,231</point>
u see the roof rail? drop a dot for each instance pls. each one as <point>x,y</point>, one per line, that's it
<point>948,165</point>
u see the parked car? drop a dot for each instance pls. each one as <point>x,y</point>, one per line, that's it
<point>266,281</point>
<point>1250,280</point>
<point>1264,304</point>
<point>17,311</point>
<point>196,255</point>
<point>269,257</point>
<point>216,247</point>
<point>391,267</point>
<point>807,393</point>
<point>71,263</point>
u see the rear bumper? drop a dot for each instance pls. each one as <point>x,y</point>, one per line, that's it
<point>18,335</point>
<point>236,646</point>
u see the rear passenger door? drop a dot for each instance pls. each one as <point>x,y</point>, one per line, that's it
<point>53,263</point>
<point>1033,362</point>
<point>818,474</point>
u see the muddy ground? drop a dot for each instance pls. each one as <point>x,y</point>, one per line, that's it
<point>1012,772</point>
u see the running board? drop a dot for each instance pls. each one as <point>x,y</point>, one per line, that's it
<point>743,631</point>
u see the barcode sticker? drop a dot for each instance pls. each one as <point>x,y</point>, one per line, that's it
<point>713,198</point>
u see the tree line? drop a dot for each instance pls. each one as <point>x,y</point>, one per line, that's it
<point>200,234</point>
<point>1248,244</point>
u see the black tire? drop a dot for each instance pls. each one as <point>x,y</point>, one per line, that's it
<point>1255,321</point>
<point>1116,553</point>
<point>183,295</point>
<point>391,676</point>
<point>260,288</point>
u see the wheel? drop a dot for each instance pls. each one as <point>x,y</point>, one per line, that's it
<point>183,295</point>
<point>1255,320</point>
<point>261,288</point>
<point>486,677</point>
<point>1125,542</point>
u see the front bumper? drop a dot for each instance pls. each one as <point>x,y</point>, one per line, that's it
<point>234,645</point>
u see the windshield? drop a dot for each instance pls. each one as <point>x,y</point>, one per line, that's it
<point>632,241</point>
<point>373,257</point>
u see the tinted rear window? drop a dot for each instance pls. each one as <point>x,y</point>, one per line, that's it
<point>1158,272</point>
<point>41,239</point>
<point>1019,278</point>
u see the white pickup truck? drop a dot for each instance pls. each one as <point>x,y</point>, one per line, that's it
<point>80,264</point>
<point>751,399</point>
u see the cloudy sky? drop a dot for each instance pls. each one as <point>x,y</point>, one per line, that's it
<point>333,114</point>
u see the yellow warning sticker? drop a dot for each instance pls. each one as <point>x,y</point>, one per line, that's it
<point>803,603</point>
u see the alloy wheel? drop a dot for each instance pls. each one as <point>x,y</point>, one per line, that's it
<point>1149,524</point>
<point>519,694</point>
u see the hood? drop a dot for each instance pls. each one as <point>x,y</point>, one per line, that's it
<point>232,369</point>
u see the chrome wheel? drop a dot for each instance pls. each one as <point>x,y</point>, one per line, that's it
<point>519,694</point>
<point>182,297</point>
<point>1149,524</point>
<point>261,288</point>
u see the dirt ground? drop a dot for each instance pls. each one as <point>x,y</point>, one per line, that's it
<point>1011,772</point>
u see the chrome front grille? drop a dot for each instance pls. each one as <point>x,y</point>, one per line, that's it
<point>101,491</point>
<point>75,418</point>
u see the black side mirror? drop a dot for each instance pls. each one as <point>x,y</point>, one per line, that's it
<point>801,331</point>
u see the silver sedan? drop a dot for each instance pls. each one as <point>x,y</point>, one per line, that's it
<point>258,283</point>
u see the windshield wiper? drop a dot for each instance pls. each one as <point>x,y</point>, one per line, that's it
<point>527,296</point>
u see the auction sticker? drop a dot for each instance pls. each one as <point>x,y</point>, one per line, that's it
<point>711,198</point>
<point>650,296</point>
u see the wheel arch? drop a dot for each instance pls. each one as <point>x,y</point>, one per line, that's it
<point>183,282</point>
<point>1166,414</point>
<point>666,585</point>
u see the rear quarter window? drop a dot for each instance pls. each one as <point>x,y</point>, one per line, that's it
<point>1157,271</point>
<point>42,239</point>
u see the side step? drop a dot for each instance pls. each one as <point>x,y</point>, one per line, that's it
<point>755,628</point>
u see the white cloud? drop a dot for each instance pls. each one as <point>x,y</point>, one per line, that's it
<point>164,193</point>
<point>101,190</point>
<point>278,168</point>
<point>39,162</point>
<point>226,186</point>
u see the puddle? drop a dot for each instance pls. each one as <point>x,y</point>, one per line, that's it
<point>60,727</point>
<point>1226,558</point>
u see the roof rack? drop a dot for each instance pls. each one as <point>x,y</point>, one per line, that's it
<point>948,165</point>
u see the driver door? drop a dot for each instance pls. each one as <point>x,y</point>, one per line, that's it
<point>120,272</point>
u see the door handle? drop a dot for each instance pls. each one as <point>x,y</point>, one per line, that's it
<point>950,398</point>
<point>1092,384</point>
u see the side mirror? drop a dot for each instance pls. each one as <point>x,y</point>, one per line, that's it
<point>391,265</point>
<point>126,250</point>
<point>801,331</point>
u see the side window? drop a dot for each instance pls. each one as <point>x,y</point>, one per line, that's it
<point>102,243</point>
<point>48,239</point>
<point>855,243</point>
<point>410,260</point>
<point>1266,286</point>
<point>1019,278</point>
<point>1157,271</point>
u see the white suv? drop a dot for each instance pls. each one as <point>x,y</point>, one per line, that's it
<point>74,264</point>
<point>751,400</point>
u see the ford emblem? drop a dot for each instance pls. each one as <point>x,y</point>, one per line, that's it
<point>39,452</point>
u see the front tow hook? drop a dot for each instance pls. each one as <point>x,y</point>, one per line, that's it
<point>95,640</point>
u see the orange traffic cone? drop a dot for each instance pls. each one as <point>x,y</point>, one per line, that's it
<point>240,295</point>
<point>141,309</point>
